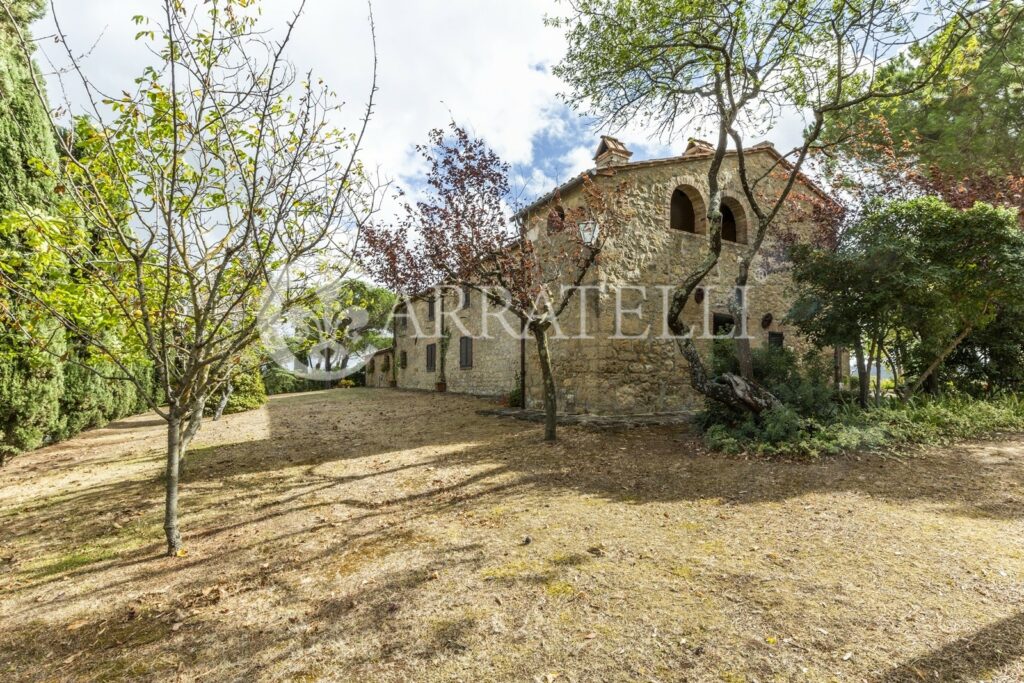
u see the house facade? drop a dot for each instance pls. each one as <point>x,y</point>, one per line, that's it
<point>379,369</point>
<point>455,337</point>
<point>613,353</point>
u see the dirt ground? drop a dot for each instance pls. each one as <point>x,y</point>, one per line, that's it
<point>377,535</point>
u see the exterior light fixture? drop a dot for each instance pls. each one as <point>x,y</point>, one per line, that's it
<point>589,231</point>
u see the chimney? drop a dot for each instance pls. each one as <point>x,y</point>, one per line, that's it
<point>611,152</point>
<point>695,146</point>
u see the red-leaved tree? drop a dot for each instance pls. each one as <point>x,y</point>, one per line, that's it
<point>464,232</point>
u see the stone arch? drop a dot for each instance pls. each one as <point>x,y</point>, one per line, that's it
<point>687,211</point>
<point>734,221</point>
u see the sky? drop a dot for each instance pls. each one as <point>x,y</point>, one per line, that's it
<point>485,65</point>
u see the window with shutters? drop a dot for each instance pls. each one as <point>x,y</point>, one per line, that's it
<point>776,339</point>
<point>466,352</point>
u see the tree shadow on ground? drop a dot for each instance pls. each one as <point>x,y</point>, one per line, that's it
<point>353,467</point>
<point>316,446</point>
<point>973,657</point>
<point>106,645</point>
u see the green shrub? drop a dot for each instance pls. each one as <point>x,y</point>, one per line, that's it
<point>249,393</point>
<point>280,381</point>
<point>515,397</point>
<point>92,395</point>
<point>801,386</point>
<point>30,389</point>
<point>813,421</point>
<point>933,421</point>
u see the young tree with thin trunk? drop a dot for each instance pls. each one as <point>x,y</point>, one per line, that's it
<point>462,234</point>
<point>736,68</point>
<point>217,168</point>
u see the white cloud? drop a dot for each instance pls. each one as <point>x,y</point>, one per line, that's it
<point>437,60</point>
<point>580,159</point>
<point>488,66</point>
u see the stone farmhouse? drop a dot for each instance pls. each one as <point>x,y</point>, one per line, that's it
<point>624,361</point>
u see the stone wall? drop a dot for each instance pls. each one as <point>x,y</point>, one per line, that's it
<point>494,367</point>
<point>378,369</point>
<point>635,369</point>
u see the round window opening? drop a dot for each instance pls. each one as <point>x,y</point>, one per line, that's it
<point>766,321</point>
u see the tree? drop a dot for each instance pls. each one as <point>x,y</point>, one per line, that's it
<point>26,141</point>
<point>217,169</point>
<point>460,234</point>
<point>350,321</point>
<point>991,360</point>
<point>977,108</point>
<point>31,380</point>
<point>734,68</point>
<point>915,278</point>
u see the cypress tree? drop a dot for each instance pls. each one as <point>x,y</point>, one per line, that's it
<point>31,378</point>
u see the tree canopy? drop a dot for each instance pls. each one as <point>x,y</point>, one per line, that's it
<point>734,68</point>
<point>915,277</point>
<point>969,122</point>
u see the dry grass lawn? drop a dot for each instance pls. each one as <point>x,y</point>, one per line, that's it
<point>376,535</point>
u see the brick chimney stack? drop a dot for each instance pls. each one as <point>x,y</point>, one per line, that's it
<point>611,152</point>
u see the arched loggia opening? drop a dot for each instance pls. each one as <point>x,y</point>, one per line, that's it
<point>734,221</point>
<point>687,211</point>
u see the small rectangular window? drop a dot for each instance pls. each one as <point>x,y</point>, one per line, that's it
<point>721,324</point>
<point>776,339</point>
<point>431,357</point>
<point>403,360</point>
<point>467,296</point>
<point>465,352</point>
<point>431,308</point>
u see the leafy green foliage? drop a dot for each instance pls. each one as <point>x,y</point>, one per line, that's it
<point>918,272</point>
<point>990,360</point>
<point>970,121</point>
<point>30,389</point>
<point>26,141</point>
<point>31,376</point>
<point>922,421</point>
<point>249,392</point>
<point>279,381</point>
<point>798,383</point>
<point>93,395</point>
